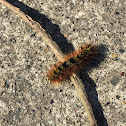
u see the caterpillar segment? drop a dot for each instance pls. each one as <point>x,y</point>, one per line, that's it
<point>72,63</point>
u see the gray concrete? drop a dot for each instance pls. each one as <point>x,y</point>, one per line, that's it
<point>27,98</point>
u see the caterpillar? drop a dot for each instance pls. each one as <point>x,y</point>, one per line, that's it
<point>72,63</point>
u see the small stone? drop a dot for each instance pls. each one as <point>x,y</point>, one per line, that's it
<point>32,35</point>
<point>66,36</point>
<point>121,50</point>
<point>123,102</point>
<point>117,96</point>
<point>107,103</point>
<point>2,85</point>
<point>51,102</point>
<point>60,90</point>
<point>114,55</point>
<point>2,66</point>
<point>114,81</point>
<point>122,73</point>
<point>13,40</point>
<point>117,13</point>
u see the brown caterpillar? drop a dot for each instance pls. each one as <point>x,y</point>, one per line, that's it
<point>72,63</point>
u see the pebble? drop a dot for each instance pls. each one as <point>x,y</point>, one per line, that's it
<point>123,102</point>
<point>118,97</point>
<point>13,40</point>
<point>51,102</point>
<point>2,85</point>
<point>114,55</point>
<point>66,36</point>
<point>121,50</point>
<point>122,73</point>
<point>117,13</point>
<point>114,81</point>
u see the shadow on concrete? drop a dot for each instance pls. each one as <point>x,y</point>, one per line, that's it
<point>54,31</point>
<point>90,87</point>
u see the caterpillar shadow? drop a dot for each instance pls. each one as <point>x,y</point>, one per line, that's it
<point>90,87</point>
<point>54,31</point>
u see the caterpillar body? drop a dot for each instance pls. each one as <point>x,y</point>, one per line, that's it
<point>72,63</point>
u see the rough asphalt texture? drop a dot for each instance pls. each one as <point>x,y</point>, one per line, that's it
<point>27,98</point>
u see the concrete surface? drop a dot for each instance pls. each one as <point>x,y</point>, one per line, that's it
<point>27,98</point>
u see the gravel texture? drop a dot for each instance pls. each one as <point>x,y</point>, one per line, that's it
<point>27,98</point>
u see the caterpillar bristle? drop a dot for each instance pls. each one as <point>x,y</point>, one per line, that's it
<point>72,63</point>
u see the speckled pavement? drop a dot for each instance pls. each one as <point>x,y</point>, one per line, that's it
<point>27,98</point>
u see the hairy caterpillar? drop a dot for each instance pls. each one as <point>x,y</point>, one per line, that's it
<point>72,63</point>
